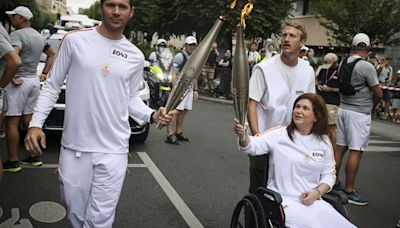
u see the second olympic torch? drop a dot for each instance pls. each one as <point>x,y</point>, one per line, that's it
<point>240,80</point>
<point>193,67</point>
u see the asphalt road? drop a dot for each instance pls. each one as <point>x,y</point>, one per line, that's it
<point>194,184</point>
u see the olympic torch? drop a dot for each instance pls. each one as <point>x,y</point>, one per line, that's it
<point>240,80</point>
<point>193,67</point>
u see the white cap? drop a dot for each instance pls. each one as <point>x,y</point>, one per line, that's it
<point>361,40</point>
<point>160,41</point>
<point>304,48</point>
<point>398,72</point>
<point>329,59</point>
<point>190,40</point>
<point>22,11</point>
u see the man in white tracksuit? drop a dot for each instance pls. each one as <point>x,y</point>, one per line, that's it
<point>274,86</point>
<point>103,71</point>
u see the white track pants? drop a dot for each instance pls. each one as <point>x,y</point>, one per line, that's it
<point>90,186</point>
<point>320,214</point>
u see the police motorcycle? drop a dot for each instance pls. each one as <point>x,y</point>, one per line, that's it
<point>160,85</point>
<point>159,79</point>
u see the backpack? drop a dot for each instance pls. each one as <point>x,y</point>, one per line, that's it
<point>183,62</point>
<point>345,72</point>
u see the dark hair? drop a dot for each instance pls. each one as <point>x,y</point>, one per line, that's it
<point>298,26</point>
<point>320,127</point>
<point>130,2</point>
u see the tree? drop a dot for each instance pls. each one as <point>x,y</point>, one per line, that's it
<point>345,18</point>
<point>40,18</point>
<point>93,11</point>
<point>183,17</point>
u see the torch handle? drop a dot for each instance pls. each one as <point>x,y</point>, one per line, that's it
<point>242,137</point>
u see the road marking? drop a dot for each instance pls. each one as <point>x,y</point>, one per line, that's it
<point>383,149</point>
<point>178,202</point>
<point>47,212</point>
<point>55,166</point>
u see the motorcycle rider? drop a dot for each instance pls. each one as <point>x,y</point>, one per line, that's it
<point>162,56</point>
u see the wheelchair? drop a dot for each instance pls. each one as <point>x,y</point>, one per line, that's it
<point>264,209</point>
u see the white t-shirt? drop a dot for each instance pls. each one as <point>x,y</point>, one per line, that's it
<point>294,166</point>
<point>259,87</point>
<point>102,90</point>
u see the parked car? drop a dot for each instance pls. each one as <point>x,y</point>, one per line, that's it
<point>55,120</point>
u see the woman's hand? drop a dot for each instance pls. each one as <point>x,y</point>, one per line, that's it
<point>308,198</point>
<point>238,128</point>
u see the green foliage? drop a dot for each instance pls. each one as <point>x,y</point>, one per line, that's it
<point>345,18</point>
<point>40,17</point>
<point>183,17</point>
<point>93,11</point>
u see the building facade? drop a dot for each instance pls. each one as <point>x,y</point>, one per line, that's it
<point>54,6</point>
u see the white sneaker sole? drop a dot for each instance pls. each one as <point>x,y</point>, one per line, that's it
<point>357,203</point>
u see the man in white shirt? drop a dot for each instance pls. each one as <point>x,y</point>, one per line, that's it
<point>103,71</point>
<point>274,86</point>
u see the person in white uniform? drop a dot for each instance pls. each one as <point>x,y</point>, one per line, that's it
<point>103,71</point>
<point>302,165</point>
<point>274,85</point>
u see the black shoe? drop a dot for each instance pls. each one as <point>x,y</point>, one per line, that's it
<point>12,167</point>
<point>180,137</point>
<point>172,140</point>
<point>32,161</point>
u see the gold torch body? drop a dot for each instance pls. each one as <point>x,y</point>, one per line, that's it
<point>240,80</point>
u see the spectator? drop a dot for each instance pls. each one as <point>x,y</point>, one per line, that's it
<point>354,117</point>
<point>209,68</point>
<point>273,87</point>
<point>270,50</point>
<point>384,72</point>
<point>252,56</point>
<point>9,64</point>
<point>187,103</point>
<point>104,73</point>
<point>396,100</point>
<point>22,93</point>
<point>312,59</point>
<point>328,88</point>
<point>263,55</point>
<point>300,176</point>
<point>373,59</point>
<point>226,74</point>
<point>303,52</point>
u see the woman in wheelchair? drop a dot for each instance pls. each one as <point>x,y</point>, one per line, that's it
<point>301,164</point>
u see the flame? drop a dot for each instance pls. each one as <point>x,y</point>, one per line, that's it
<point>245,11</point>
<point>233,4</point>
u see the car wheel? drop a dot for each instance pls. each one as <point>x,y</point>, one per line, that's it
<point>140,138</point>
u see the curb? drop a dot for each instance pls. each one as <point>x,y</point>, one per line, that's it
<point>386,129</point>
<point>379,127</point>
<point>216,100</point>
